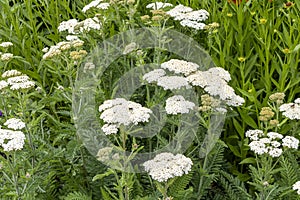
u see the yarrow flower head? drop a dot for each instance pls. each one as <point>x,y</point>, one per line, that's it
<point>178,105</point>
<point>3,84</point>
<point>96,4</point>
<point>16,80</point>
<point>158,5</point>
<point>291,110</point>
<point>290,142</point>
<point>180,66</point>
<point>12,139</point>
<point>296,187</point>
<point>73,26</point>
<point>165,166</point>
<point>254,134</point>
<point>189,17</point>
<point>270,142</point>
<point>6,56</point>
<point>15,124</point>
<point>154,75</point>
<point>172,82</point>
<point>214,81</point>
<point>119,111</point>
<point>6,44</point>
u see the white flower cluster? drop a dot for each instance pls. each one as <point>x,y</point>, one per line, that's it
<point>119,111</point>
<point>291,110</point>
<point>158,5</point>
<point>57,49</point>
<point>189,17</point>
<point>172,82</point>
<point>296,187</point>
<point>214,82</point>
<point>6,56</point>
<point>6,44</point>
<point>12,139</point>
<point>154,75</point>
<point>16,80</point>
<point>177,104</point>
<point>180,66</point>
<point>15,124</point>
<point>75,27</point>
<point>270,144</point>
<point>96,4</point>
<point>167,165</point>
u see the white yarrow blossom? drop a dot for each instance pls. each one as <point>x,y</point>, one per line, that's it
<point>296,187</point>
<point>3,84</point>
<point>103,6</point>
<point>291,110</point>
<point>192,24</point>
<point>270,144</point>
<point>6,56</point>
<point>158,5</point>
<point>165,166</point>
<point>20,82</point>
<point>290,142</point>
<point>178,11</point>
<point>154,75</point>
<point>119,111</point>
<point>11,140</point>
<point>93,4</point>
<point>180,66</point>
<point>258,147</point>
<point>172,82</point>
<point>275,152</point>
<point>6,44</point>
<point>68,26</point>
<point>110,129</point>
<point>254,134</point>
<point>274,135</point>
<point>189,17</point>
<point>178,105</point>
<point>15,124</point>
<point>214,81</point>
<point>11,73</point>
<point>89,24</point>
<point>71,37</point>
<point>197,15</point>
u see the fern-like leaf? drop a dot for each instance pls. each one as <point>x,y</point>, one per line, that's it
<point>77,196</point>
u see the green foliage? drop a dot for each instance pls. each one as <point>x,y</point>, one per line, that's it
<point>77,196</point>
<point>257,42</point>
<point>233,187</point>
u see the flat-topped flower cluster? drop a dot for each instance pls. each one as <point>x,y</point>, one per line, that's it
<point>165,166</point>
<point>186,16</point>
<point>15,80</point>
<point>119,111</point>
<point>12,138</point>
<point>186,74</point>
<point>270,143</point>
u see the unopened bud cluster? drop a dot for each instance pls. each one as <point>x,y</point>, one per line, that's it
<point>277,97</point>
<point>266,114</point>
